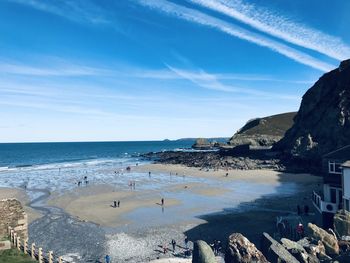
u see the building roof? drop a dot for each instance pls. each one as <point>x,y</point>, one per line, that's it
<point>342,153</point>
<point>346,164</point>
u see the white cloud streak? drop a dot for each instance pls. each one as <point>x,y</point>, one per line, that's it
<point>208,81</point>
<point>78,11</point>
<point>200,18</point>
<point>280,27</point>
<point>53,70</point>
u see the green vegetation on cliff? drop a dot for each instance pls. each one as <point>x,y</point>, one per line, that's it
<point>14,256</point>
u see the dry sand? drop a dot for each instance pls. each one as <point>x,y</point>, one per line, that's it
<point>20,195</point>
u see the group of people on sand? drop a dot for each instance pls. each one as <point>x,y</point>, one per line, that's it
<point>173,245</point>
<point>132,185</point>
<point>85,181</point>
<point>300,212</point>
<point>216,246</point>
<point>116,203</point>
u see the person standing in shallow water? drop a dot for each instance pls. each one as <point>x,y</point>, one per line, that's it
<point>162,201</point>
<point>173,243</point>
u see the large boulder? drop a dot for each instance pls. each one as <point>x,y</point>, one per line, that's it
<point>342,223</point>
<point>275,252</point>
<point>329,241</point>
<point>313,247</point>
<point>297,250</point>
<point>241,250</point>
<point>202,253</point>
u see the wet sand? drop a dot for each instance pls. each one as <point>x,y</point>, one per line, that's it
<point>95,203</point>
<point>20,195</point>
<point>256,176</point>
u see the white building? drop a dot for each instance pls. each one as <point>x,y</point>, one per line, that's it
<point>346,185</point>
<point>336,186</point>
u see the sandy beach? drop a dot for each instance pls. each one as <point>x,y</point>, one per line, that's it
<point>198,203</point>
<point>94,203</point>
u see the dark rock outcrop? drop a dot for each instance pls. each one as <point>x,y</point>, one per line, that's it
<point>263,131</point>
<point>241,250</point>
<point>202,144</point>
<point>322,123</point>
<point>342,223</point>
<point>202,253</point>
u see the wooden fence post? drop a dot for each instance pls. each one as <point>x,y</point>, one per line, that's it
<point>50,256</point>
<point>60,260</point>
<point>33,251</point>
<point>14,241</point>
<point>18,243</point>
<point>11,235</point>
<point>25,247</point>
<point>40,256</point>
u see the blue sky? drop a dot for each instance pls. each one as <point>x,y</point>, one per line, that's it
<point>89,70</point>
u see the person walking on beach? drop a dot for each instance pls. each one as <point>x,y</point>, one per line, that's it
<point>162,201</point>
<point>298,210</point>
<point>108,259</point>
<point>165,249</point>
<point>115,203</point>
<point>118,203</point>
<point>173,243</point>
<point>186,242</point>
<point>149,173</point>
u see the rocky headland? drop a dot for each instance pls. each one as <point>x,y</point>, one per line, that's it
<point>322,123</point>
<point>289,141</point>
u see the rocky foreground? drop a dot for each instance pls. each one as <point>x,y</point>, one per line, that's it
<point>318,246</point>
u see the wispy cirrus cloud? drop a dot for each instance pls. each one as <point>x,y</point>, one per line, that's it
<point>66,69</point>
<point>280,27</point>
<point>76,10</point>
<point>211,82</point>
<point>201,18</point>
<point>166,74</point>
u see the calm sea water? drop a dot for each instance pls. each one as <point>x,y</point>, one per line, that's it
<point>14,155</point>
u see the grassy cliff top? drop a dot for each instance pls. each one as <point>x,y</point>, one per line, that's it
<point>275,125</point>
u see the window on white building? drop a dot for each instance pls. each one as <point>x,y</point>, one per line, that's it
<point>347,204</point>
<point>334,168</point>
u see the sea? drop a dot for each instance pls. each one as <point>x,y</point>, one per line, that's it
<point>61,154</point>
<point>59,166</point>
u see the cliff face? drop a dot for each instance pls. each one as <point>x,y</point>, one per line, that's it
<point>322,123</point>
<point>263,131</point>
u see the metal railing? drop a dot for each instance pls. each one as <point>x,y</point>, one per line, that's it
<point>324,206</point>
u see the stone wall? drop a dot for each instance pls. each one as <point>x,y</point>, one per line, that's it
<point>13,215</point>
